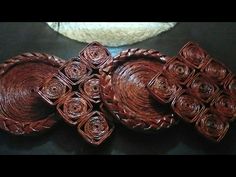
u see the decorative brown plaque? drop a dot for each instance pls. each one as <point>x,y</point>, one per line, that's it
<point>75,91</point>
<point>22,111</point>
<point>200,89</point>
<point>123,90</point>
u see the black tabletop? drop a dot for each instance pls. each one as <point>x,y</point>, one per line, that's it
<point>219,39</point>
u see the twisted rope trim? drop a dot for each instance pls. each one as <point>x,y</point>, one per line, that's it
<point>27,127</point>
<point>111,102</point>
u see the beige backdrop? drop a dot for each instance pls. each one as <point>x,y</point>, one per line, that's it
<point>110,34</point>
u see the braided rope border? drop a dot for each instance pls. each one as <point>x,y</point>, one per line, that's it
<point>27,127</point>
<point>110,101</point>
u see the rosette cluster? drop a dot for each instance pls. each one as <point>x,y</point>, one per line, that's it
<point>200,90</point>
<point>75,92</point>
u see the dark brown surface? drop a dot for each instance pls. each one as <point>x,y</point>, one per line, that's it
<point>217,38</point>
<point>197,88</point>
<point>22,111</point>
<point>123,90</point>
<point>75,91</point>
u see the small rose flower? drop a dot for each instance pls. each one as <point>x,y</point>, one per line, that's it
<point>212,126</point>
<point>194,55</point>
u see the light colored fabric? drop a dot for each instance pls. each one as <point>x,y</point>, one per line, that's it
<point>112,33</point>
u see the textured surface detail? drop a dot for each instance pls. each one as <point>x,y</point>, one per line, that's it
<point>123,90</point>
<point>22,111</point>
<point>206,95</point>
<point>75,91</point>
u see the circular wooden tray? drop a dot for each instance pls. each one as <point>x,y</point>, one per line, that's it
<point>22,111</point>
<point>123,90</point>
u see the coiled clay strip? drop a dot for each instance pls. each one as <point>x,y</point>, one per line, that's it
<point>123,90</point>
<point>75,92</point>
<point>22,111</point>
<point>200,89</point>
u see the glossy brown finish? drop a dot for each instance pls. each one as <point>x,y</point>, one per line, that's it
<point>75,91</point>
<point>187,106</point>
<point>205,94</point>
<point>123,90</point>
<point>176,69</point>
<point>163,87</point>
<point>54,89</point>
<point>193,55</point>
<point>22,111</point>
<point>211,125</point>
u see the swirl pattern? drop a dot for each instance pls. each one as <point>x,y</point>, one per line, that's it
<point>211,126</point>
<point>187,107</point>
<point>194,55</point>
<point>124,91</point>
<point>75,71</point>
<point>225,106</point>
<point>203,88</point>
<point>129,82</point>
<point>75,91</point>
<point>54,89</point>
<point>210,87</point>
<point>95,55</point>
<point>74,107</point>
<point>91,88</point>
<point>216,71</point>
<point>95,129</point>
<point>19,102</point>
<point>163,88</point>
<point>179,70</point>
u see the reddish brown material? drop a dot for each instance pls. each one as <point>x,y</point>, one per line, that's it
<point>22,111</point>
<point>212,125</point>
<point>123,90</point>
<point>54,89</point>
<point>75,91</point>
<point>201,90</point>
<point>230,86</point>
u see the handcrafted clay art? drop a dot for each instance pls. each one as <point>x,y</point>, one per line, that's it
<point>142,89</point>
<point>75,92</point>
<point>123,90</point>
<point>200,90</point>
<point>22,111</point>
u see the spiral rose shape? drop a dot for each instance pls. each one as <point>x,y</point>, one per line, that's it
<point>226,106</point>
<point>162,88</point>
<point>96,127</point>
<point>179,70</point>
<point>22,110</point>
<point>129,86</point>
<point>194,55</point>
<point>91,88</point>
<point>187,107</point>
<point>95,54</point>
<point>203,89</point>
<point>75,108</point>
<point>215,71</point>
<point>54,89</point>
<point>212,126</point>
<point>75,70</point>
